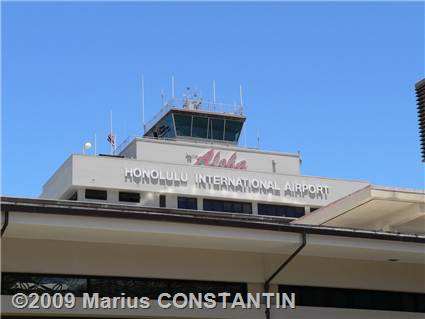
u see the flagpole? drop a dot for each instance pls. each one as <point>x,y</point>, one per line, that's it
<point>112,144</point>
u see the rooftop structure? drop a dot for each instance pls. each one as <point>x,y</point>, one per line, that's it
<point>189,158</point>
<point>192,118</point>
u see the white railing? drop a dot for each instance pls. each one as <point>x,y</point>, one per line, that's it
<point>164,109</point>
<point>124,144</point>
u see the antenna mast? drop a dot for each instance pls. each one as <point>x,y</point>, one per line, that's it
<point>172,87</point>
<point>244,134</point>
<point>213,86</point>
<point>143,102</point>
<point>240,93</point>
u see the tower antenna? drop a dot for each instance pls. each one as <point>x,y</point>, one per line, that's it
<point>172,87</point>
<point>213,87</point>
<point>240,93</point>
<point>143,102</point>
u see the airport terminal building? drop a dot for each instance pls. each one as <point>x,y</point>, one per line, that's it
<point>184,209</point>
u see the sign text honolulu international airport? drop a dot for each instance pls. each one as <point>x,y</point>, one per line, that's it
<point>227,183</point>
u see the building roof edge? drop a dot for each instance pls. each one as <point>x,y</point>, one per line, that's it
<point>64,207</point>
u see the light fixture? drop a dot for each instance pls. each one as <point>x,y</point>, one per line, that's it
<point>86,147</point>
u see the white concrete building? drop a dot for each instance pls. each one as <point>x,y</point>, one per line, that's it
<point>184,209</point>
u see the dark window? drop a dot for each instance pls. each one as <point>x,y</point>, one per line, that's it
<point>30,283</point>
<point>187,202</point>
<point>356,298</point>
<point>162,201</point>
<point>12,283</point>
<point>227,206</point>
<point>129,197</point>
<point>164,128</point>
<point>199,128</point>
<point>74,196</point>
<point>312,209</point>
<point>203,287</point>
<point>216,129</point>
<point>233,130</point>
<point>247,208</point>
<point>280,210</point>
<point>131,287</point>
<point>183,124</point>
<point>96,194</point>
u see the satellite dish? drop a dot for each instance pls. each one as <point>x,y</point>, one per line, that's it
<point>87,146</point>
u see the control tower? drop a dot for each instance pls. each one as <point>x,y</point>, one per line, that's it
<point>192,118</point>
<point>189,158</point>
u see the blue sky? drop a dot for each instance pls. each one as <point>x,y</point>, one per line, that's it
<point>334,81</point>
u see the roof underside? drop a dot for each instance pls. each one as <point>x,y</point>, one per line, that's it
<point>374,208</point>
<point>33,219</point>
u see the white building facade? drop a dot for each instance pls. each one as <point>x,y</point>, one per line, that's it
<point>185,210</point>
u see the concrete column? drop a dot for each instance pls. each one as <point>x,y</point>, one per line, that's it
<point>254,208</point>
<point>171,201</point>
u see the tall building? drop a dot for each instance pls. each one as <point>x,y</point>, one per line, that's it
<point>183,210</point>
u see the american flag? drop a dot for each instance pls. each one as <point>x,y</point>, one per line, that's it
<point>111,139</point>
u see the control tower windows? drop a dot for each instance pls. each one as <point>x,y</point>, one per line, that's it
<point>183,124</point>
<point>202,126</point>
<point>163,129</point>
<point>194,123</point>
<point>232,131</point>
<point>281,210</point>
<point>227,206</point>
<point>96,194</point>
<point>199,127</point>
<point>216,130</point>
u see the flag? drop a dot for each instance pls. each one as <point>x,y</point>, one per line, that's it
<point>111,139</point>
